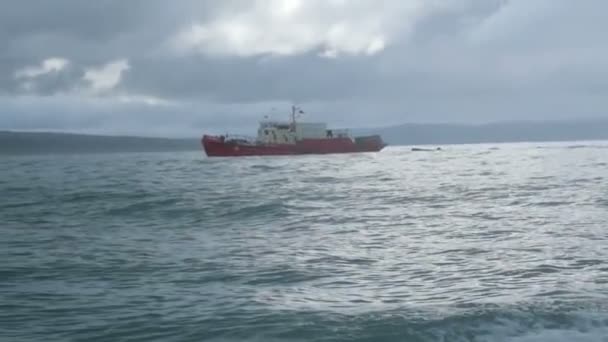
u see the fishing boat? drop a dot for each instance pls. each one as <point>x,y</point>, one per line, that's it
<point>290,138</point>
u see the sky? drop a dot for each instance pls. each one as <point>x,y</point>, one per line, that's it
<point>188,67</point>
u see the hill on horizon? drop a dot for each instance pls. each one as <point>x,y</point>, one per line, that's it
<point>13,142</point>
<point>496,132</point>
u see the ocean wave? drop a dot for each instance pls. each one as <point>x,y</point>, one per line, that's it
<point>393,246</point>
<point>492,325</point>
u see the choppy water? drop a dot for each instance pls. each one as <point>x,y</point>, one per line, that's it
<point>474,243</point>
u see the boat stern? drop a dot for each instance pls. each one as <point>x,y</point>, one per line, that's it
<point>371,143</point>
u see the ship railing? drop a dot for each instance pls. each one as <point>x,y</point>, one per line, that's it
<point>339,133</point>
<point>270,123</point>
<point>241,138</point>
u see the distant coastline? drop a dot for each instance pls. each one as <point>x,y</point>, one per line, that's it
<point>17,142</point>
<point>61,143</point>
<point>498,132</point>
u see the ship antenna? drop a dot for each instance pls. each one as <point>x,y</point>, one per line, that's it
<point>293,117</point>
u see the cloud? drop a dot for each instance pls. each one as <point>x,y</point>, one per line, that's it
<point>288,27</point>
<point>47,66</point>
<point>204,64</point>
<point>144,99</point>
<point>92,82</point>
<point>107,77</point>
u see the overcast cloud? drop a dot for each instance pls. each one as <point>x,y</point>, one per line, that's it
<point>153,67</point>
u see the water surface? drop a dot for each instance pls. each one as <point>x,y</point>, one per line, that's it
<point>472,243</point>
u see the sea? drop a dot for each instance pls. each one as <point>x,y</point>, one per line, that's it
<point>494,242</point>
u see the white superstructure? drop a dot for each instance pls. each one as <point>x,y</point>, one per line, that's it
<point>311,130</point>
<point>277,132</point>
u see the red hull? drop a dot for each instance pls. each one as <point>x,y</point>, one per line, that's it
<point>215,146</point>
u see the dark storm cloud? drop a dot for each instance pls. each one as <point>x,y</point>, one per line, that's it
<point>224,64</point>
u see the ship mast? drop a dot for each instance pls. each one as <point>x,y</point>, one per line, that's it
<point>293,117</point>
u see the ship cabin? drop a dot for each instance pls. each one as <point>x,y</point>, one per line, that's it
<point>273,132</point>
